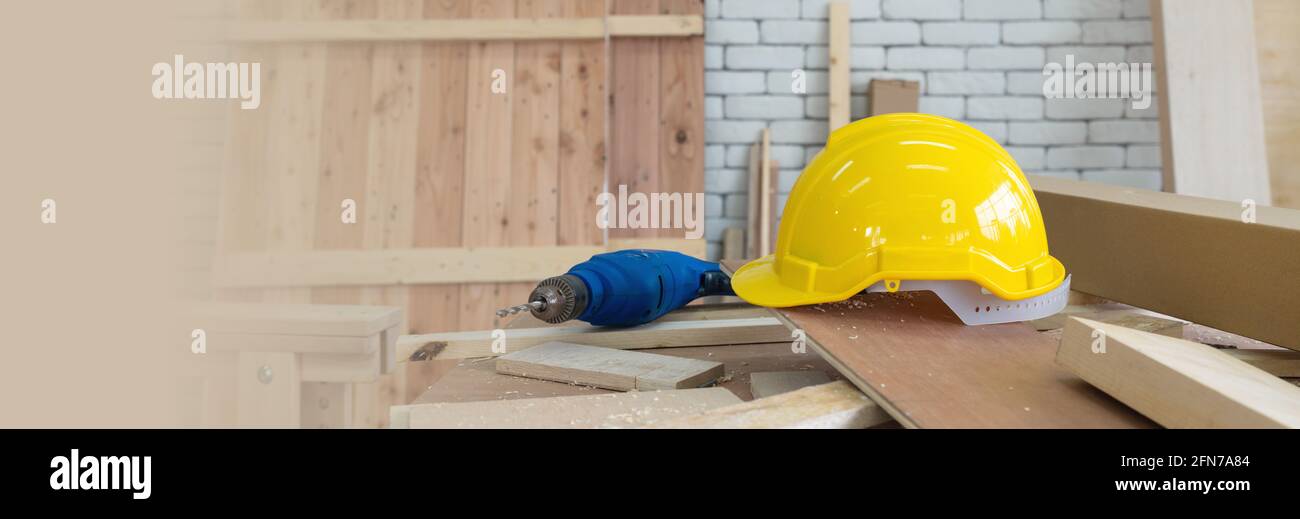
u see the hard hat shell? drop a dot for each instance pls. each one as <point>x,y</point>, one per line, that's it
<point>905,196</point>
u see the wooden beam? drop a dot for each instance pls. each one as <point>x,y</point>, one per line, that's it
<point>838,78</point>
<point>927,369</point>
<point>1211,114</point>
<point>771,383</point>
<point>462,345</point>
<point>765,193</point>
<point>605,411</point>
<point>608,368</point>
<point>517,29</point>
<point>1190,258</point>
<point>1279,362</point>
<point>1177,383</point>
<point>837,405</point>
<point>359,267</point>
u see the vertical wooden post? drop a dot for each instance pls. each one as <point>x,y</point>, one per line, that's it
<point>838,79</point>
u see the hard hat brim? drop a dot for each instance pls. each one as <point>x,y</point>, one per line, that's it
<point>758,283</point>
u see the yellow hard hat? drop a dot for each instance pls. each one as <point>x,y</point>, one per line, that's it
<point>901,198</point>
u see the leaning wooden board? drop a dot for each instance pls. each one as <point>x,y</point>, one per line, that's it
<point>914,358</point>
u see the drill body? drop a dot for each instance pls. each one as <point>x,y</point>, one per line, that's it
<point>627,288</point>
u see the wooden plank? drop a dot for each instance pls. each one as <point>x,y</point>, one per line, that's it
<point>533,210</point>
<point>916,359</point>
<point>398,266</point>
<point>1131,246</point>
<point>293,150</point>
<point>1127,317</point>
<point>660,26</point>
<point>326,405</point>
<point>733,243</point>
<point>838,77</point>
<point>1278,46</point>
<point>765,193</point>
<point>344,145</point>
<point>1279,362</point>
<point>340,367</point>
<point>753,248</point>
<point>471,380</point>
<point>269,390</point>
<point>505,29</point>
<point>440,167</point>
<point>681,115</point>
<point>392,157</point>
<point>1211,119</point>
<point>296,319</point>
<point>616,410</point>
<point>460,345</point>
<point>583,104</point>
<point>837,405</point>
<point>634,145</point>
<point>219,341</point>
<point>1177,383</point>
<point>489,151</point>
<point>608,368</point>
<point>771,383</point>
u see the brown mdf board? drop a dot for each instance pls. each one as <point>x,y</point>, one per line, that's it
<point>1186,257</point>
<point>1278,44</point>
<point>608,368</point>
<point>887,96</point>
<point>927,369</point>
<point>1177,383</point>
<point>616,410</point>
<point>1211,116</point>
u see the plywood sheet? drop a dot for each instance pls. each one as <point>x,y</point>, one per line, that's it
<point>916,359</point>
<point>608,368</point>
<point>616,410</point>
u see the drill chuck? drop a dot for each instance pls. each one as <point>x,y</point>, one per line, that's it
<point>562,298</point>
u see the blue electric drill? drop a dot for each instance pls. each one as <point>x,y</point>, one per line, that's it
<point>624,288</point>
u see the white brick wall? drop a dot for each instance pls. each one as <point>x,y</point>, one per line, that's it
<point>979,61</point>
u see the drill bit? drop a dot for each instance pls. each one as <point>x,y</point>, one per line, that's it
<point>516,309</point>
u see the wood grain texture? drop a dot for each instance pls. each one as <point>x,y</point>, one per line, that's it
<point>839,56</point>
<point>635,99</point>
<point>608,368</point>
<point>1278,362</point>
<point>440,161</point>
<point>837,405</point>
<point>455,345</point>
<point>583,118</point>
<point>1177,383</point>
<point>681,119</point>
<point>471,380</point>
<point>1131,246</point>
<point>1211,118</point>
<point>916,359</point>
<point>772,383</point>
<point>519,29</point>
<point>616,410</point>
<point>1278,44</point>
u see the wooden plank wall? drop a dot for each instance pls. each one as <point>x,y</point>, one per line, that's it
<point>657,80</point>
<point>415,135</point>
